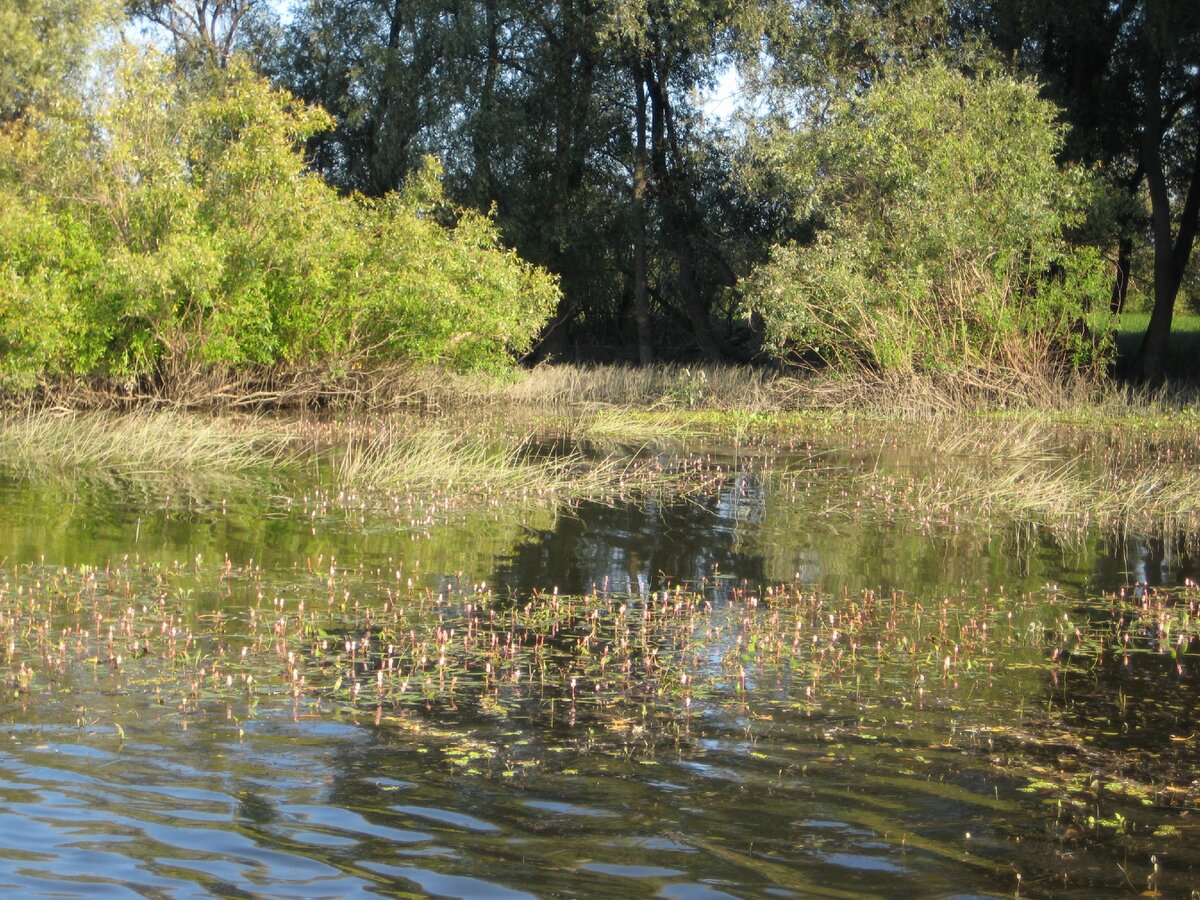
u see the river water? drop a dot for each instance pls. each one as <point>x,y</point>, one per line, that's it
<point>198,702</point>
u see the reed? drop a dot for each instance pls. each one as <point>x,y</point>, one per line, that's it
<point>664,386</point>
<point>140,445</point>
<point>423,457</point>
<point>1131,473</point>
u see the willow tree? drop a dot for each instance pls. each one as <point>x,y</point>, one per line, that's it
<point>167,232</point>
<point>534,110</point>
<point>45,51</point>
<point>941,247</point>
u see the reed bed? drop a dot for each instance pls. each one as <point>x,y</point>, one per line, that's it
<point>409,457</point>
<point>1129,475</point>
<point>663,386</point>
<point>137,445</point>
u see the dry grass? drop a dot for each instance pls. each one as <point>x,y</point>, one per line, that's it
<point>1028,468</point>
<point>921,397</point>
<point>668,388</point>
<point>648,387</point>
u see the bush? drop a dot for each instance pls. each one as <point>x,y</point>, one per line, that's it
<point>170,230</point>
<point>941,215</point>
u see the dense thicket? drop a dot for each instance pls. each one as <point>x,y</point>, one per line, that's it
<point>166,232</point>
<point>942,244</point>
<point>1127,76</point>
<point>578,121</point>
<point>581,122</point>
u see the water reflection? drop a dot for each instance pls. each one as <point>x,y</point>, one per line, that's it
<point>631,549</point>
<point>915,780</point>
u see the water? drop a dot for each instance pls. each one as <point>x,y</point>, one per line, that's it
<point>183,716</point>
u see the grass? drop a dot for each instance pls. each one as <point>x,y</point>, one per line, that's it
<point>657,387</point>
<point>142,445</point>
<point>1118,474</point>
<point>1127,460</point>
<point>1183,351</point>
<point>463,460</point>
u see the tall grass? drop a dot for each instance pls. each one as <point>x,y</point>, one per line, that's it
<point>139,445</point>
<point>429,458</point>
<point>1030,469</point>
<point>665,386</point>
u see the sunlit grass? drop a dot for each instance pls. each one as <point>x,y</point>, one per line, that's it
<point>658,387</point>
<point>1028,469</point>
<point>1136,465</point>
<point>1183,349</point>
<point>137,445</point>
<point>416,456</point>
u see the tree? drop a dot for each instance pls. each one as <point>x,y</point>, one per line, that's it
<point>941,245</point>
<point>44,50</point>
<point>168,232</point>
<point>1127,75</point>
<point>671,50</point>
<point>204,32</point>
<point>534,110</point>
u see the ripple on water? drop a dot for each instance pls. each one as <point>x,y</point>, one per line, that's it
<point>447,817</point>
<point>693,891</point>
<point>862,862</point>
<point>618,870</point>
<point>347,822</point>
<point>442,885</point>
<point>569,809</point>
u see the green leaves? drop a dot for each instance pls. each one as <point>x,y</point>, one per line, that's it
<point>44,49</point>
<point>943,247</point>
<point>172,229</point>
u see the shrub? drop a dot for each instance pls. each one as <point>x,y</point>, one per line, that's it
<point>941,214</point>
<point>169,229</point>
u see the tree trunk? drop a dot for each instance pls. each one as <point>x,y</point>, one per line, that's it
<point>697,312</point>
<point>673,218</point>
<point>1120,289</point>
<point>482,135</point>
<point>641,304</point>
<point>1171,252</point>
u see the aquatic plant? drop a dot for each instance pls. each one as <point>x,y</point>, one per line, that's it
<point>140,444</point>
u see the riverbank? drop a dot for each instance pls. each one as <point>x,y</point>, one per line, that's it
<point>1113,459</point>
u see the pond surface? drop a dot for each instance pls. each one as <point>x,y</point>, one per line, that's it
<point>757,693</point>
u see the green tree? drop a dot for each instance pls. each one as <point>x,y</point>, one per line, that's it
<point>1128,76</point>
<point>940,247</point>
<point>45,48</point>
<point>203,32</point>
<point>170,232</point>
<point>534,110</point>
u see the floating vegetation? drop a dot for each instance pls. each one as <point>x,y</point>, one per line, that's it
<point>947,725</point>
<point>1058,697</point>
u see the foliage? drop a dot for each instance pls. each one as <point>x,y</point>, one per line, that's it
<point>943,214</point>
<point>533,108</point>
<point>204,32</point>
<point>171,230</point>
<point>43,51</point>
<point>1125,76</point>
